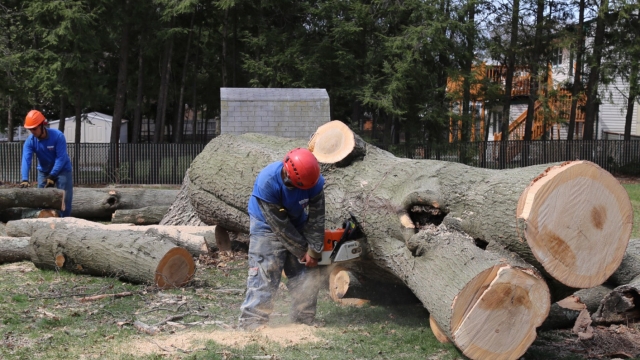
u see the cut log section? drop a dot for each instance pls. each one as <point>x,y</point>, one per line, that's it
<point>32,198</point>
<point>335,143</point>
<point>100,204</point>
<point>223,241</point>
<point>129,255</point>
<point>192,238</point>
<point>629,269</point>
<point>14,249</point>
<point>18,213</point>
<point>568,211</point>
<point>144,216</point>
<point>437,331</point>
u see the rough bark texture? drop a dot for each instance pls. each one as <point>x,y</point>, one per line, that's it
<point>100,204</point>
<point>144,216</point>
<point>129,255</point>
<point>621,305</point>
<point>629,269</point>
<point>32,198</point>
<point>11,214</point>
<point>181,212</point>
<point>192,238</point>
<point>14,249</point>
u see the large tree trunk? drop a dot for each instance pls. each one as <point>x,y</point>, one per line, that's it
<point>100,204</point>
<point>129,255</point>
<point>32,198</point>
<point>629,269</point>
<point>621,305</point>
<point>14,249</point>
<point>181,212</point>
<point>422,220</point>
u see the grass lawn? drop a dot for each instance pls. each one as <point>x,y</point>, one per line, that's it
<point>634,195</point>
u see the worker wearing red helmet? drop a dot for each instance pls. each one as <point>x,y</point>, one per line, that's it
<point>286,211</point>
<point>50,148</point>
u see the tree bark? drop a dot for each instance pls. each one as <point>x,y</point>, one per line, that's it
<point>181,212</point>
<point>121,87</point>
<point>621,305</point>
<point>594,72</point>
<point>143,216</point>
<point>177,136</point>
<point>14,249</point>
<point>32,198</point>
<point>137,117</point>
<point>100,204</point>
<point>629,269</point>
<point>129,255</point>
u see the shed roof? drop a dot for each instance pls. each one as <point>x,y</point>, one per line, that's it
<point>272,94</point>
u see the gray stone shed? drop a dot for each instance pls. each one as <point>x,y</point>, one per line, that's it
<point>293,113</point>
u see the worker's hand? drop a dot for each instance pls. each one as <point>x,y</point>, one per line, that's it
<point>308,261</point>
<point>24,184</point>
<point>49,182</point>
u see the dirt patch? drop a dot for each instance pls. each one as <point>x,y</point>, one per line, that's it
<point>193,340</point>
<point>615,341</point>
<point>21,267</point>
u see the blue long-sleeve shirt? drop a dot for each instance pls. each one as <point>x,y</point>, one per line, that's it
<point>51,153</point>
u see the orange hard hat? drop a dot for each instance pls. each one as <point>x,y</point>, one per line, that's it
<point>302,168</point>
<point>34,119</point>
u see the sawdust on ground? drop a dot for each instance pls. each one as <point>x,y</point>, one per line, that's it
<point>193,340</point>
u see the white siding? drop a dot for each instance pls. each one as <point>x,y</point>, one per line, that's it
<point>614,108</point>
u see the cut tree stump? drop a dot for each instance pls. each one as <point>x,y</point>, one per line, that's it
<point>143,216</point>
<point>571,221</point>
<point>192,238</point>
<point>14,249</point>
<point>32,198</point>
<point>100,204</point>
<point>18,213</point>
<point>128,255</point>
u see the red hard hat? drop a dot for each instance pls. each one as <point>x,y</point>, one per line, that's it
<point>34,119</point>
<point>302,168</point>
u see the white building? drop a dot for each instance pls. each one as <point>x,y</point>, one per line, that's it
<point>96,128</point>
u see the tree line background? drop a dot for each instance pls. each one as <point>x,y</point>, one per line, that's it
<point>388,61</point>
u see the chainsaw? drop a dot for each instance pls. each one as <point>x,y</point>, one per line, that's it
<point>342,244</point>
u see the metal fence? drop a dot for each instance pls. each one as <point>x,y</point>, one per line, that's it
<point>167,163</point>
<point>616,156</point>
<point>112,163</point>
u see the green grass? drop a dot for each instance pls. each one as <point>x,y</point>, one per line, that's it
<point>634,195</point>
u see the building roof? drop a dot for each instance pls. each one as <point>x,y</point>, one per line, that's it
<point>272,94</point>
<point>90,116</point>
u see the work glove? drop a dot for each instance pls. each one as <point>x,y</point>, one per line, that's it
<point>24,184</point>
<point>49,182</point>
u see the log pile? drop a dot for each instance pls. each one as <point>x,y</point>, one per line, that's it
<point>486,251</point>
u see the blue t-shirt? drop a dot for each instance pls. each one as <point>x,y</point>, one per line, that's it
<point>270,188</point>
<point>51,153</point>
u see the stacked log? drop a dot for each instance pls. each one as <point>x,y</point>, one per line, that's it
<point>100,204</point>
<point>486,251</point>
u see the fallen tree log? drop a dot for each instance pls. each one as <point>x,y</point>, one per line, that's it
<point>18,213</point>
<point>193,238</point>
<point>143,216</point>
<point>346,284</point>
<point>32,198</point>
<point>128,255</point>
<point>621,305</point>
<point>100,204</point>
<point>571,221</point>
<point>14,249</point>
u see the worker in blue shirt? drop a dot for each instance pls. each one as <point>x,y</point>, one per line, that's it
<point>287,216</point>
<point>54,165</point>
